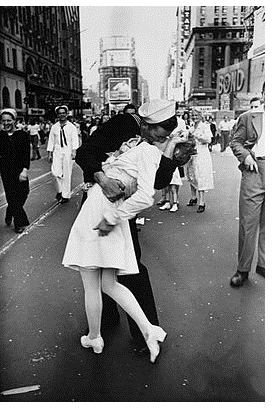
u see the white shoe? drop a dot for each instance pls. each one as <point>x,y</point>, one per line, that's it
<point>174,207</point>
<point>96,344</point>
<point>165,206</point>
<point>156,335</point>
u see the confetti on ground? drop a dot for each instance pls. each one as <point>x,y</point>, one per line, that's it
<point>140,221</point>
<point>21,390</point>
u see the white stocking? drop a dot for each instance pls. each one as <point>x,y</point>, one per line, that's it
<point>123,296</point>
<point>93,299</point>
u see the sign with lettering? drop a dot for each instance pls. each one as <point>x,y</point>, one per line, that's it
<point>36,111</point>
<point>233,78</point>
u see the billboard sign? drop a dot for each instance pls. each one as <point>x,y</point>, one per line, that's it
<point>119,89</point>
<point>117,58</point>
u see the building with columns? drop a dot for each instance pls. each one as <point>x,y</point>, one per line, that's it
<point>208,38</point>
<point>40,59</point>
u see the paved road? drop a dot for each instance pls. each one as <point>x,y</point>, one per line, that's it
<point>215,345</point>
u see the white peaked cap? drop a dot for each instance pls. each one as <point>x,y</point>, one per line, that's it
<point>157,110</point>
<point>10,111</point>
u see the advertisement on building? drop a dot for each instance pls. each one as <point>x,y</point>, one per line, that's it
<point>233,86</point>
<point>117,58</point>
<point>119,89</point>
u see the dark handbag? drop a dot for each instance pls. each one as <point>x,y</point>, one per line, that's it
<point>183,152</point>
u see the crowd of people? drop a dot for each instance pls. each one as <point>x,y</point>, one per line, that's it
<point>125,157</point>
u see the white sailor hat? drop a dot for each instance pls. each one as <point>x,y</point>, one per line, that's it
<point>10,111</point>
<point>61,107</point>
<point>157,110</point>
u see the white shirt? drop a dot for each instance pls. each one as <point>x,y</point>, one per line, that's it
<point>33,129</point>
<point>71,136</point>
<point>225,126</point>
<point>259,147</point>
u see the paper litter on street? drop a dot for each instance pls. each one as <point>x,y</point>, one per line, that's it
<point>21,390</point>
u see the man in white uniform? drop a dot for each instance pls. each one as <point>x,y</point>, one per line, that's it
<point>62,145</point>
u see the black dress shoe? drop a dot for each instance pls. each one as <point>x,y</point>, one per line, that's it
<point>8,221</point>
<point>64,200</point>
<point>201,208</point>
<point>192,202</point>
<point>19,230</point>
<point>260,270</point>
<point>238,279</point>
<point>58,196</point>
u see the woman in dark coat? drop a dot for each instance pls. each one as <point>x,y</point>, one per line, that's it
<point>14,166</point>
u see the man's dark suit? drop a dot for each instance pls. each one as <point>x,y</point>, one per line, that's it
<point>252,191</point>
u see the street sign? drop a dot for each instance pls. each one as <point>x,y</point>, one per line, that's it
<point>36,111</point>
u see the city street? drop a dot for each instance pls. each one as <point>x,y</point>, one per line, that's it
<point>214,350</point>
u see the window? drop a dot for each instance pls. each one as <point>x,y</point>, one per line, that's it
<point>241,21</point>
<point>235,10</point>
<point>2,54</point>
<point>224,21</point>
<point>216,9</point>
<point>202,21</point>
<point>235,21</point>
<point>18,99</point>
<point>14,58</point>
<point>224,10</point>
<point>5,97</point>
<point>216,21</point>
<point>201,78</point>
<point>8,58</point>
<point>202,10</point>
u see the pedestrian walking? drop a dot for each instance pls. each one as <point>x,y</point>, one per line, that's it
<point>248,145</point>
<point>34,129</point>
<point>14,166</point>
<point>100,244</point>
<point>199,168</point>
<point>109,138</point>
<point>62,145</point>
<point>224,128</point>
<point>212,124</point>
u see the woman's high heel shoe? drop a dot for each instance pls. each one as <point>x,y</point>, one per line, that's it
<point>201,208</point>
<point>192,202</point>
<point>156,335</point>
<point>96,344</point>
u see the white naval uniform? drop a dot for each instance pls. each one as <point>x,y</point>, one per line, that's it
<point>62,164</point>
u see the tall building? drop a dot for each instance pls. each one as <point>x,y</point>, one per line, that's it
<point>40,59</point>
<point>238,83</point>
<point>208,38</point>
<point>119,78</point>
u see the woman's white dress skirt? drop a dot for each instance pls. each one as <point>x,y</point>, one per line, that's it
<point>199,169</point>
<point>85,248</point>
<point>176,179</point>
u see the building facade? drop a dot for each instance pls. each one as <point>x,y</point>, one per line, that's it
<point>238,83</point>
<point>119,76</point>
<point>40,59</point>
<point>208,38</point>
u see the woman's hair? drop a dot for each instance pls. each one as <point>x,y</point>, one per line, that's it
<point>168,124</point>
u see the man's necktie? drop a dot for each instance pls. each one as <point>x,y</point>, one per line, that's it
<point>62,137</point>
